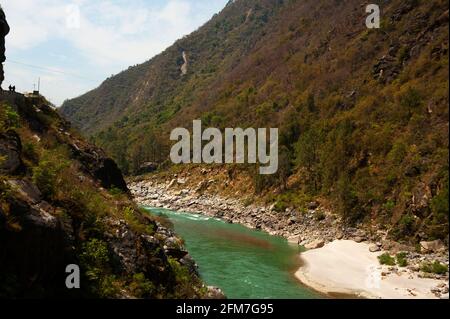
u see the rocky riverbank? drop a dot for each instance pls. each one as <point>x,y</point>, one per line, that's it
<point>312,229</point>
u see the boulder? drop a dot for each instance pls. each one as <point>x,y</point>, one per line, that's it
<point>359,239</point>
<point>109,174</point>
<point>172,183</point>
<point>27,191</point>
<point>148,167</point>
<point>295,240</point>
<point>98,165</point>
<point>432,246</point>
<point>315,244</point>
<point>215,293</point>
<point>10,153</point>
<point>374,248</point>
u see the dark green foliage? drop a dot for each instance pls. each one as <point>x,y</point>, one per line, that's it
<point>411,100</point>
<point>95,259</point>
<point>142,287</point>
<point>386,259</point>
<point>434,268</point>
<point>402,260</point>
<point>30,152</point>
<point>9,119</point>
<point>439,203</point>
<point>51,166</point>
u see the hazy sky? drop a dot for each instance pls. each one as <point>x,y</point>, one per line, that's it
<point>73,45</point>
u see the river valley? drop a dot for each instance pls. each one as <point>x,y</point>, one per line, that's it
<point>244,263</point>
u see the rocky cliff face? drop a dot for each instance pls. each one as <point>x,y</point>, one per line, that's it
<point>62,202</point>
<point>4,30</point>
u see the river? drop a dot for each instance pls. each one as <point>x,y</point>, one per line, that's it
<point>244,263</point>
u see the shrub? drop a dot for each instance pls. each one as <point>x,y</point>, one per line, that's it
<point>141,287</point>
<point>94,257</point>
<point>401,259</point>
<point>135,223</point>
<point>389,206</point>
<point>386,259</point>
<point>439,204</point>
<point>182,278</point>
<point>248,201</point>
<point>108,287</point>
<point>320,215</point>
<point>29,151</point>
<point>406,226</point>
<point>8,118</point>
<point>46,174</point>
<point>411,99</point>
<point>280,206</point>
<point>434,268</point>
<point>116,191</point>
<point>95,260</point>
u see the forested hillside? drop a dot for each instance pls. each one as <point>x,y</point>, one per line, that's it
<point>363,114</point>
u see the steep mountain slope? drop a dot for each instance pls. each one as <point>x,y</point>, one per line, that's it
<point>363,113</point>
<point>157,88</point>
<point>62,202</point>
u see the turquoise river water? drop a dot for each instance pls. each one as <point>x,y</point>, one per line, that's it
<point>244,263</point>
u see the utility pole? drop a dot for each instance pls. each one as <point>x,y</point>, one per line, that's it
<point>39,84</point>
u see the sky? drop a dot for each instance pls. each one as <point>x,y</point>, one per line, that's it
<point>73,45</point>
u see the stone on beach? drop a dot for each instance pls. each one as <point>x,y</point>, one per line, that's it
<point>315,244</point>
<point>432,246</point>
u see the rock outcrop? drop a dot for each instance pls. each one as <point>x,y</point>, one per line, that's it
<point>82,221</point>
<point>432,246</point>
<point>10,150</point>
<point>4,30</point>
<point>96,163</point>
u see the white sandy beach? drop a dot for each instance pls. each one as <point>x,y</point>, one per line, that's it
<point>347,267</point>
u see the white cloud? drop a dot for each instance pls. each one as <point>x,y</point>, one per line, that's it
<point>112,34</point>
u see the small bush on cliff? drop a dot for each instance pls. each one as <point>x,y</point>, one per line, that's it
<point>386,259</point>
<point>141,287</point>
<point>94,257</point>
<point>29,151</point>
<point>95,263</point>
<point>49,170</point>
<point>401,259</point>
<point>8,118</point>
<point>439,204</point>
<point>184,286</point>
<point>131,217</point>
